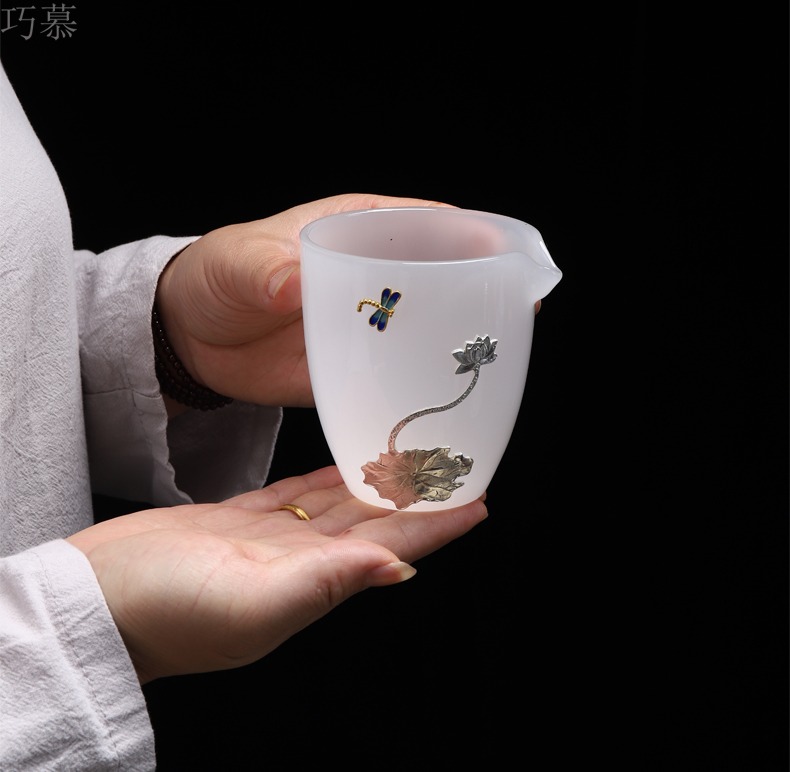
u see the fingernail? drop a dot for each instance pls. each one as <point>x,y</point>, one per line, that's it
<point>278,278</point>
<point>392,573</point>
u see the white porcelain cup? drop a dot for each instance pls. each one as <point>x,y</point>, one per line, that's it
<point>418,328</point>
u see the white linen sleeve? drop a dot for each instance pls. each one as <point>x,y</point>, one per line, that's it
<point>134,453</point>
<point>69,694</point>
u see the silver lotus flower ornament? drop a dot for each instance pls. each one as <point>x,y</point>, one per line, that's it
<point>480,352</point>
<point>406,477</point>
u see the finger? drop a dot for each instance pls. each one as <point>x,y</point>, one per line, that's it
<point>301,586</point>
<point>335,510</point>
<point>288,490</point>
<point>373,553</point>
<point>412,535</point>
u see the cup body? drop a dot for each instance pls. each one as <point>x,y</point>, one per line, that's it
<point>418,329</point>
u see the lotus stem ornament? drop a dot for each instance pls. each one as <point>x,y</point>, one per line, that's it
<point>408,476</point>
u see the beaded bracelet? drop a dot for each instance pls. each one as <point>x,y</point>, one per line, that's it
<point>174,380</point>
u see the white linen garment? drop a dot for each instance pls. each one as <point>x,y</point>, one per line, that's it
<point>80,411</point>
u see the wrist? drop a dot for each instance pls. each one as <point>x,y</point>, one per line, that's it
<point>175,381</point>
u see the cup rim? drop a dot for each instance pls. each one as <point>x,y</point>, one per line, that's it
<point>307,236</point>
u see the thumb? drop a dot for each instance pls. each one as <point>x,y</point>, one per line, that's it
<point>255,266</point>
<point>283,287</point>
<point>333,573</point>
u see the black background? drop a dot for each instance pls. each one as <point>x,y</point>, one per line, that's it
<point>625,604</point>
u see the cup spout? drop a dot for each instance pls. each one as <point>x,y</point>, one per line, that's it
<point>544,275</point>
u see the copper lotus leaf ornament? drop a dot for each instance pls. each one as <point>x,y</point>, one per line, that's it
<point>406,477</point>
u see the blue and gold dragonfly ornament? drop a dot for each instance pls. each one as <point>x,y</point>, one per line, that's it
<point>384,309</point>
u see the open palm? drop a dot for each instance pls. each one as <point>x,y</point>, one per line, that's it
<point>203,587</point>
